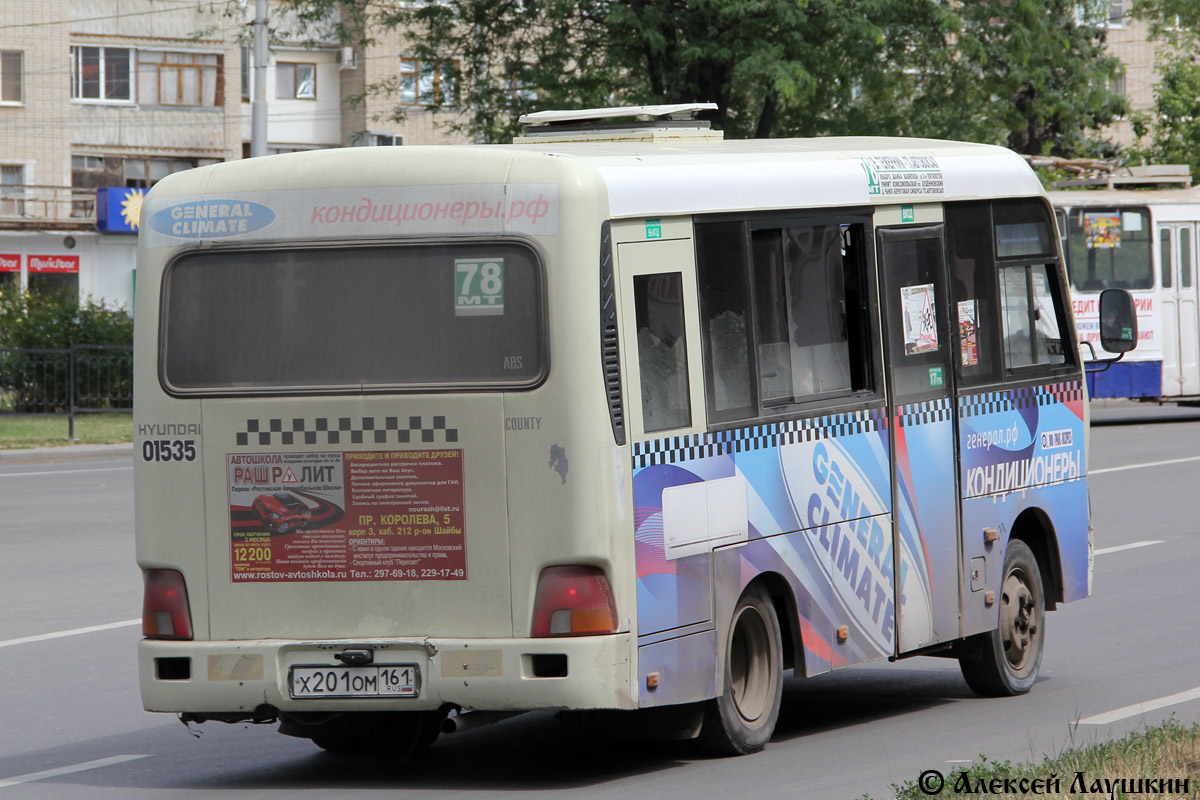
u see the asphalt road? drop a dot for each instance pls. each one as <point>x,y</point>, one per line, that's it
<point>71,724</point>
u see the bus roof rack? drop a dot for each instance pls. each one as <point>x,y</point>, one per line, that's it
<point>673,122</point>
<point>1109,174</point>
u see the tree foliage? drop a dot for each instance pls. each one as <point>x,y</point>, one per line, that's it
<point>57,320</point>
<point>1171,133</point>
<point>1027,73</point>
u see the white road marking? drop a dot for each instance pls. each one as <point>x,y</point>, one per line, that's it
<point>54,773</point>
<point>1133,546</point>
<point>41,637</point>
<point>1141,708</point>
<point>61,472</point>
<point>1143,466</point>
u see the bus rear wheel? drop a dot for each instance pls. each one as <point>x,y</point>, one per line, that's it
<point>1011,656</point>
<point>742,718</point>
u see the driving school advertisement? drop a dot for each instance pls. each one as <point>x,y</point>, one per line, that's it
<point>348,516</point>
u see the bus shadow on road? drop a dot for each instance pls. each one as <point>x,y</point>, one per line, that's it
<point>859,695</point>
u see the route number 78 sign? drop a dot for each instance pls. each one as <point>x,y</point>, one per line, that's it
<point>478,286</point>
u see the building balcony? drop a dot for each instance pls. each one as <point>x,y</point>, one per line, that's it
<point>33,207</point>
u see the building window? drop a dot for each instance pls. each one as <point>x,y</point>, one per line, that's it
<point>12,190</point>
<point>1116,13</point>
<point>295,81</point>
<point>1117,85</point>
<point>143,173</point>
<point>179,79</point>
<point>246,69</point>
<point>10,76</point>
<point>379,139</point>
<point>101,73</point>
<point>424,84</point>
<point>518,82</point>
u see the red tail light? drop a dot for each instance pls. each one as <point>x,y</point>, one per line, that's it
<point>573,601</point>
<point>166,613</point>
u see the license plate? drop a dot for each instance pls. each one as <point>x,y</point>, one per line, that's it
<point>382,680</point>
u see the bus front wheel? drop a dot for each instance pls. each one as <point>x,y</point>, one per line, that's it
<point>1011,656</point>
<point>742,717</point>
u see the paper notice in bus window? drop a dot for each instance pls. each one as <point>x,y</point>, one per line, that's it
<point>920,319</point>
<point>1102,231</point>
<point>968,336</point>
<point>358,516</point>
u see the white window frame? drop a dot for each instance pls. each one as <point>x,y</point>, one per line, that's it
<point>77,77</point>
<point>20,101</point>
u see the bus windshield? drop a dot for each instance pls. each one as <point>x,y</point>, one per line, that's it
<point>1109,249</point>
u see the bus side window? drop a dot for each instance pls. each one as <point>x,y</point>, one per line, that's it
<point>975,311</point>
<point>725,319</point>
<point>1032,333</point>
<point>662,351</point>
<point>1033,313</point>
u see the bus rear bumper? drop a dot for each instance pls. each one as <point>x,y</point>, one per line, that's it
<point>229,678</point>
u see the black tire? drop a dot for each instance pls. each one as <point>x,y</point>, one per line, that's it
<point>742,717</point>
<point>1011,656</point>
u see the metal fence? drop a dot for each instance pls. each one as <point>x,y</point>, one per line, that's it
<point>81,379</point>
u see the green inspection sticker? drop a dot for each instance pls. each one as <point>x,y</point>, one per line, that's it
<point>935,376</point>
<point>478,286</point>
<point>654,229</point>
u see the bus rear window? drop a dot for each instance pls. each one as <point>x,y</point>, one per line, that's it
<point>401,317</point>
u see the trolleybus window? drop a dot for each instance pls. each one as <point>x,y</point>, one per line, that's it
<point>1109,249</point>
<point>353,318</point>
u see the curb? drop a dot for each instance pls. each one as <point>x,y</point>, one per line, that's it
<point>70,452</point>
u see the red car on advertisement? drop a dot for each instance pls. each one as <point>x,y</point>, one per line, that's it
<point>282,512</point>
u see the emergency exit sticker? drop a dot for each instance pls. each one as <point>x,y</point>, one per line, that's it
<point>478,286</point>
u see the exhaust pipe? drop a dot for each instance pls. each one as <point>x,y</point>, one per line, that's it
<point>475,719</point>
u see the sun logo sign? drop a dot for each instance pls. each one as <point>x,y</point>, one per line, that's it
<point>131,207</point>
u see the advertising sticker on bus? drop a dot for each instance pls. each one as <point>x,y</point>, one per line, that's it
<point>920,319</point>
<point>356,516</point>
<point>1102,231</point>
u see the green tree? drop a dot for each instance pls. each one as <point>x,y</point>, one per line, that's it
<point>56,320</point>
<point>1170,134</point>
<point>1027,73</point>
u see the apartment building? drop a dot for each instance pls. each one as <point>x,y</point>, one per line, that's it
<point>100,99</point>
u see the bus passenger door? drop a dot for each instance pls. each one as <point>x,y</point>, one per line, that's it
<point>664,384</point>
<point>1181,325</point>
<point>920,378</point>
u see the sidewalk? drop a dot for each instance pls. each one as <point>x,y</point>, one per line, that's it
<point>70,452</point>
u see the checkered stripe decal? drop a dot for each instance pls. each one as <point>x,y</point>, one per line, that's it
<point>676,449</point>
<point>1023,397</point>
<point>346,430</point>
<point>924,413</point>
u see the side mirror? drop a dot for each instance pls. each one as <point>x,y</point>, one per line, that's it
<point>1118,321</point>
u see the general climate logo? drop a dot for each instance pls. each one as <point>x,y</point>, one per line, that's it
<point>211,219</point>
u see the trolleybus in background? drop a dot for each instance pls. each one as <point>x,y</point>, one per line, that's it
<point>627,425</point>
<point>1143,241</point>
